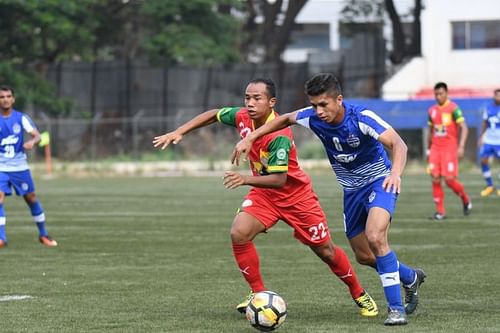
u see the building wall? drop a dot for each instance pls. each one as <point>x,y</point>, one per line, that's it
<point>469,68</point>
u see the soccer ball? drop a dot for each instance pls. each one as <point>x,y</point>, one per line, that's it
<point>266,311</point>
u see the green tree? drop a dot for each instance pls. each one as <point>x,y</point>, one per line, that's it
<point>193,32</point>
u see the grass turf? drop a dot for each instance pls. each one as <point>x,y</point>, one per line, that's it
<point>153,255</point>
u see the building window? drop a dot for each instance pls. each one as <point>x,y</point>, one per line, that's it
<point>475,35</point>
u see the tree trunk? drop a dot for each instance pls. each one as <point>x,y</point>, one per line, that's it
<point>398,36</point>
<point>416,43</point>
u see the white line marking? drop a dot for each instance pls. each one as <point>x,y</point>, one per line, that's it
<point>7,298</point>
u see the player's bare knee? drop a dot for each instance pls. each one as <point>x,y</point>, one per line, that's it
<point>239,236</point>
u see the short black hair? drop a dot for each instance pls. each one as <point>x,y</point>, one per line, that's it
<point>496,91</point>
<point>323,83</point>
<point>270,86</point>
<point>440,85</point>
<point>7,88</point>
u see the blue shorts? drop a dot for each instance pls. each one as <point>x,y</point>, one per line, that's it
<point>488,151</point>
<point>358,202</point>
<point>21,181</point>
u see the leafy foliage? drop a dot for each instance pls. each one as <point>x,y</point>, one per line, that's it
<point>32,90</point>
<point>192,32</point>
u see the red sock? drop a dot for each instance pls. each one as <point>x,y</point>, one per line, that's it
<point>342,268</point>
<point>438,196</point>
<point>248,261</point>
<point>458,188</point>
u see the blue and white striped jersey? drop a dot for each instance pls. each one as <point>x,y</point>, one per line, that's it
<point>492,117</point>
<point>12,156</point>
<point>355,154</point>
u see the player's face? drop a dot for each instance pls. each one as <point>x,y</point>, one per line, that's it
<point>6,100</point>
<point>328,108</point>
<point>441,96</point>
<point>257,101</point>
<point>497,98</point>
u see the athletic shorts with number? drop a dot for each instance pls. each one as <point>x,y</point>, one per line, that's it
<point>306,217</point>
<point>357,203</point>
<point>443,162</point>
<point>21,181</point>
<point>488,151</point>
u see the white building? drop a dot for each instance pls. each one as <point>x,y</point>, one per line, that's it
<point>460,46</point>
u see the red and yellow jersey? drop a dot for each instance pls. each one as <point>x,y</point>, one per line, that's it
<point>444,120</point>
<point>271,153</point>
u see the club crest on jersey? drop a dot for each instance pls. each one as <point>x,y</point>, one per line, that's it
<point>353,141</point>
<point>372,197</point>
<point>281,154</point>
<point>16,128</point>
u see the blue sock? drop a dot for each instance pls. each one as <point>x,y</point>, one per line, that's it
<point>485,167</point>
<point>3,236</point>
<point>38,217</point>
<point>387,267</point>
<point>407,274</point>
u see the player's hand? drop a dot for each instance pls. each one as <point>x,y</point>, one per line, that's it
<point>392,183</point>
<point>460,152</point>
<point>233,180</point>
<point>165,139</point>
<point>29,144</point>
<point>242,148</point>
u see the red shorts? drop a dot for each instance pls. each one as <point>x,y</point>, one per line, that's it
<point>443,162</point>
<point>306,217</point>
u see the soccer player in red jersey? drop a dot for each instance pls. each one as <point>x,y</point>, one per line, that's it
<point>280,190</point>
<point>448,133</point>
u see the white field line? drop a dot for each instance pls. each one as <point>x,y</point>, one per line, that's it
<point>7,298</point>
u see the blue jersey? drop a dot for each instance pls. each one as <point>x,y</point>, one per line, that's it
<point>492,117</point>
<point>355,154</point>
<point>12,156</point>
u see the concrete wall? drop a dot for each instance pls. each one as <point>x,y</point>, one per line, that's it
<point>472,68</point>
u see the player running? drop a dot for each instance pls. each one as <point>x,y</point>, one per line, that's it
<point>489,142</point>
<point>445,123</point>
<point>353,136</point>
<point>14,169</point>
<point>280,190</point>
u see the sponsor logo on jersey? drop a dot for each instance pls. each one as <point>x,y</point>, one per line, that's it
<point>16,128</point>
<point>10,140</point>
<point>353,141</point>
<point>345,158</point>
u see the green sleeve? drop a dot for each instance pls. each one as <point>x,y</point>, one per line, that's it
<point>227,115</point>
<point>457,115</point>
<point>279,150</point>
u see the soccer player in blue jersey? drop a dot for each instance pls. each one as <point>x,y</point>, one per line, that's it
<point>354,139</point>
<point>489,142</point>
<point>14,169</point>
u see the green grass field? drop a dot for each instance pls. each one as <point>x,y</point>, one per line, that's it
<point>153,255</point>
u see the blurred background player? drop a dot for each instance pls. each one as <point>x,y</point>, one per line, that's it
<point>446,125</point>
<point>280,190</point>
<point>14,169</point>
<point>353,138</point>
<point>489,142</point>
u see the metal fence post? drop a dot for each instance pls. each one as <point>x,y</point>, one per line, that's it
<point>93,138</point>
<point>135,133</point>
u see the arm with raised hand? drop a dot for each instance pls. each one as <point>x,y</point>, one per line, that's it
<point>243,147</point>
<point>206,118</point>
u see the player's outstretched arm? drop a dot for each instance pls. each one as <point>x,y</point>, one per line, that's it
<point>242,148</point>
<point>201,120</point>
<point>391,139</point>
